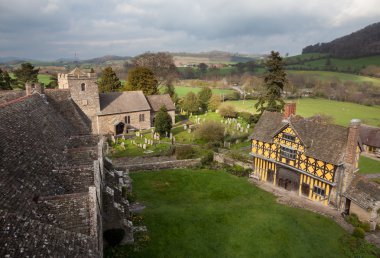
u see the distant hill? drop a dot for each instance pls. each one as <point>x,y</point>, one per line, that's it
<point>362,43</point>
<point>104,59</point>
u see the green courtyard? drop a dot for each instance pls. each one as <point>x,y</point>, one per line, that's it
<point>210,213</point>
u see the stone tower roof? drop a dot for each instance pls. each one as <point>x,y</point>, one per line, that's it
<point>77,72</point>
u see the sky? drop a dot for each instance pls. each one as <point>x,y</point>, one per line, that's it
<point>51,29</point>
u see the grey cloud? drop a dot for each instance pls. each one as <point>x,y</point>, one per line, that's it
<point>48,29</point>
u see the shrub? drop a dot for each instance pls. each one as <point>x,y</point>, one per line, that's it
<point>114,236</point>
<point>246,116</point>
<point>163,121</point>
<point>358,232</point>
<point>184,152</point>
<point>354,221</point>
<point>232,96</point>
<point>227,111</point>
<point>210,131</point>
<point>208,158</point>
<point>238,171</point>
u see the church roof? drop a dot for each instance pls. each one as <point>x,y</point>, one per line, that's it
<point>122,102</point>
<point>77,72</point>
<point>325,142</point>
<point>370,135</point>
<point>157,101</point>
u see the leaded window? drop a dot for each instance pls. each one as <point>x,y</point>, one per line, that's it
<point>289,137</point>
<point>319,191</point>
<point>288,153</point>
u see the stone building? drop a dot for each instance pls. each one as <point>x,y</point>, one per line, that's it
<point>115,112</point>
<point>314,159</point>
<point>58,192</point>
<point>370,137</point>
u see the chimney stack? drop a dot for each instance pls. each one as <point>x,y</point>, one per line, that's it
<point>352,141</point>
<point>31,88</point>
<point>289,109</point>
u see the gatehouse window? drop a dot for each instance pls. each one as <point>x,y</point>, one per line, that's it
<point>288,153</point>
<point>141,118</point>
<point>127,120</point>
<point>319,191</point>
<point>83,87</point>
<point>289,137</point>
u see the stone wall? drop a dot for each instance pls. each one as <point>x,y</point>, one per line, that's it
<point>119,162</point>
<point>222,158</point>
<point>162,165</point>
<point>107,123</point>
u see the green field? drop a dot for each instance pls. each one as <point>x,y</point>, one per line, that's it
<point>320,63</point>
<point>183,90</point>
<point>206,213</point>
<point>342,112</point>
<point>368,165</point>
<point>334,76</point>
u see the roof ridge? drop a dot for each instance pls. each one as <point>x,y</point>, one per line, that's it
<point>13,101</point>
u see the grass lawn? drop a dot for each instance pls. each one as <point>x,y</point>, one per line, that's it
<point>342,112</point>
<point>205,213</point>
<point>368,165</point>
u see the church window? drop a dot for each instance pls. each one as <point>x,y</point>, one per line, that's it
<point>83,87</point>
<point>319,191</point>
<point>289,137</point>
<point>287,153</point>
<point>127,120</point>
<point>141,118</point>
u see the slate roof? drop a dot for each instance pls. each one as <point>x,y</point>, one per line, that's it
<point>370,135</point>
<point>157,101</point>
<point>322,141</point>
<point>364,193</point>
<point>122,102</point>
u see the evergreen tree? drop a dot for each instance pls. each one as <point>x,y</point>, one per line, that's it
<point>163,121</point>
<point>274,82</point>
<point>53,82</point>
<point>190,103</point>
<point>214,102</point>
<point>142,78</point>
<point>170,89</point>
<point>108,81</point>
<point>203,97</point>
<point>26,73</point>
<point>5,80</point>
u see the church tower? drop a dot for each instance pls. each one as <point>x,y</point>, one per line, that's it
<point>84,92</point>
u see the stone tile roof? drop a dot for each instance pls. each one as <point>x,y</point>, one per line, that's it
<point>364,193</point>
<point>322,141</point>
<point>156,101</point>
<point>370,135</point>
<point>8,95</point>
<point>24,237</point>
<point>77,72</point>
<point>122,102</point>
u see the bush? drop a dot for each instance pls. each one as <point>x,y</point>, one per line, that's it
<point>232,96</point>
<point>208,158</point>
<point>184,152</point>
<point>238,171</point>
<point>114,236</point>
<point>354,221</point>
<point>226,110</point>
<point>246,116</point>
<point>210,131</point>
<point>358,233</point>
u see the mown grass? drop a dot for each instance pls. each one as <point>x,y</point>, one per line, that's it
<point>342,112</point>
<point>206,213</point>
<point>368,165</point>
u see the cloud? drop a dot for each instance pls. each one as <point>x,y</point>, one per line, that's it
<point>49,29</point>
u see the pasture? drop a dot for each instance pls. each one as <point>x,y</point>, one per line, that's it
<point>342,112</point>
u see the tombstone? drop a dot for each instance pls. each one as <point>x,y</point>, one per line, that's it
<point>122,146</point>
<point>167,134</point>
<point>145,140</point>
<point>137,134</point>
<point>246,130</point>
<point>238,125</point>
<point>152,130</point>
<point>144,146</point>
<point>171,136</point>
<point>185,127</point>
<point>241,130</point>
<point>237,141</point>
<point>189,130</point>
<point>122,137</point>
<point>248,125</point>
<point>113,138</point>
<point>222,121</point>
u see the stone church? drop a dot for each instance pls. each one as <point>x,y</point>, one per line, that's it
<point>114,112</point>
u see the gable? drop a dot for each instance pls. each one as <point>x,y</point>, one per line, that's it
<point>288,137</point>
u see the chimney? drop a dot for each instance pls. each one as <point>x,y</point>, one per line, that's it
<point>289,109</point>
<point>28,88</point>
<point>352,141</point>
